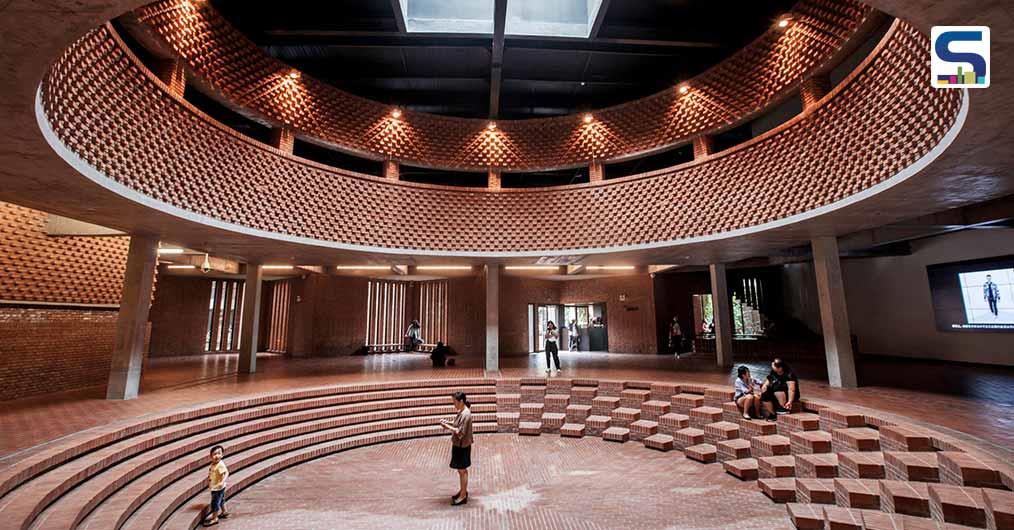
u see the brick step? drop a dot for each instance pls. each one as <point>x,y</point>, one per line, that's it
<point>964,469</point>
<point>552,421</point>
<point>578,413</point>
<point>633,398</point>
<point>743,468</point>
<point>572,430</point>
<point>530,428</point>
<point>921,467</point>
<point>810,442</point>
<point>861,465</point>
<point>672,422</point>
<point>641,429</point>
<point>815,490</point>
<point>804,421</point>
<point>752,428</point>
<point>662,442</point>
<point>684,438</point>
<point>721,431</point>
<point>905,438</point>
<point>557,402</point>
<point>507,421</point>
<point>735,449</point>
<point>532,411</point>
<point>596,425</point>
<point>777,466</point>
<point>855,439</point>
<point>820,465</point>
<point>770,445</point>
<point>683,403</point>
<point>778,489</point>
<point>616,434</point>
<point>704,453</point>
<point>701,416</point>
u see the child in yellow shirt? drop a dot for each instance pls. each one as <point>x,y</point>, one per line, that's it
<point>218,474</point>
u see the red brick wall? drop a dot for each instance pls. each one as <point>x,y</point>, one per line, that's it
<point>179,316</point>
<point>329,317</point>
<point>466,315</point>
<point>46,350</point>
<point>631,322</point>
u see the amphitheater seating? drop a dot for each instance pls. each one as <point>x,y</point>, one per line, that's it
<point>832,467</point>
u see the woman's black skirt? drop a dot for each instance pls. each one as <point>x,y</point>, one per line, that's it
<point>461,457</point>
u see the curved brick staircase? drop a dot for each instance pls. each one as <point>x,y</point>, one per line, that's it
<point>832,466</point>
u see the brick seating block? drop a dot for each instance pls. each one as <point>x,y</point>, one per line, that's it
<point>964,469</point>
<point>855,439</point>
<point>730,412</point>
<point>905,438</point>
<point>703,453</point>
<point>805,516</point>
<point>578,413</point>
<point>641,429</point>
<point>820,465</point>
<point>507,421</point>
<point>508,385</point>
<point>653,410</point>
<point>530,428</point>
<point>701,416</point>
<point>999,509</point>
<point>595,425</point>
<point>624,416</point>
<point>572,430</point>
<point>552,421</point>
<point>770,445</point>
<point>857,493</point>
<point>532,393</point>
<point>632,398</point>
<point>861,465</point>
<point>532,411</point>
<point>898,496</point>
<point>777,466</point>
<point>895,521</point>
<point>664,391</point>
<point>838,518</point>
<point>559,385</point>
<point>688,437</point>
<point>714,397</point>
<point>815,490</point>
<point>583,395</point>
<point>604,405</point>
<point>735,449</point>
<point>921,467</point>
<point>751,428</point>
<point>831,419</point>
<point>778,489</point>
<point>616,434</point>
<point>810,442</point>
<point>957,505</point>
<point>672,422</point>
<point>682,403</point>
<point>662,442</point>
<point>804,421</point>
<point>508,402</point>
<point>611,388</point>
<point>742,468</point>
<point>557,402</point>
<point>721,431</point>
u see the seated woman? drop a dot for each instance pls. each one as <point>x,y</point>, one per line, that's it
<point>781,390</point>
<point>439,355</point>
<point>747,396</point>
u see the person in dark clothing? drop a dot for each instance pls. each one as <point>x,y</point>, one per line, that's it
<point>552,350</point>
<point>439,355</point>
<point>675,337</point>
<point>780,390</point>
<point>991,293</point>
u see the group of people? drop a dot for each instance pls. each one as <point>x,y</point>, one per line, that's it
<point>766,400</point>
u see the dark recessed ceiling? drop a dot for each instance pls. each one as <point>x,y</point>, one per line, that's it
<point>641,47</point>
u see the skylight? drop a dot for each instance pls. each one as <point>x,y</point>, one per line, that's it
<point>549,18</point>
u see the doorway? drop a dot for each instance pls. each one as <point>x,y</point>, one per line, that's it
<point>589,319</point>
<point>538,316</point>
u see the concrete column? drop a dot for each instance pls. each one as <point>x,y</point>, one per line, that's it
<point>251,318</point>
<point>493,179</point>
<point>722,314</point>
<point>492,273</point>
<point>834,318</point>
<point>704,145</point>
<point>813,89</point>
<point>596,171</point>
<point>391,170</point>
<point>128,354</point>
<point>171,72</point>
<point>283,138</point>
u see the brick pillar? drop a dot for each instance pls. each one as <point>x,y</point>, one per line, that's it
<point>132,321</point>
<point>704,145</point>
<point>391,170</point>
<point>722,314</point>
<point>596,171</point>
<point>813,89</point>
<point>493,179</point>
<point>171,72</point>
<point>492,277</point>
<point>251,318</point>
<point>283,138</point>
<point>834,317</point>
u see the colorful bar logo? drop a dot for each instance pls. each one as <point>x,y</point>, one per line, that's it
<point>959,56</point>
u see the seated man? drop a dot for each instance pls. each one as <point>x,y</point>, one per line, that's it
<point>439,355</point>
<point>780,390</point>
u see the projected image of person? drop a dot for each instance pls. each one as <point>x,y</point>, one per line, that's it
<point>991,293</point>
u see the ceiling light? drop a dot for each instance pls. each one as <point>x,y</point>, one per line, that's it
<point>531,267</point>
<point>491,126</point>
<point>582,83</point>
<point>684,89</point>
<point>180,266</point>
<point>276,267</point>
<point>610,267</point>
<point>784,22</point>
<point>362,267</point>
<point>444,267</point>
<point>396,113</point>
<point>294,74</point>
<point>588,118</point>
<point>164,251</point>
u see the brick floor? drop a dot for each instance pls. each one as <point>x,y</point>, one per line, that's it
<point>514,483</point>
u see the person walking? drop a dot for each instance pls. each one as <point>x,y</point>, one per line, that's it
<point>575,335</point>
<point>675,337</point>
<point>461,445</point>
<point>991,293</point>
<point>552,350</point>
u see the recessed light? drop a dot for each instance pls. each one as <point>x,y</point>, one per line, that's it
<point>783,22</point>
<point>491,126</point>
<point>362,267</point>
<point>294,74</point>
<point>396,113</point>
<point>684,89</point>
<point>444,267</point>
<point>165,251</point>
<point>277,267</point>
<point>588,118</point>
<point>181,266</point>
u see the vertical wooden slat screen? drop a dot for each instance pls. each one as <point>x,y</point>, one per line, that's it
<point>225,307</point>
<point>278,328</point>
<point>387,312</point>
